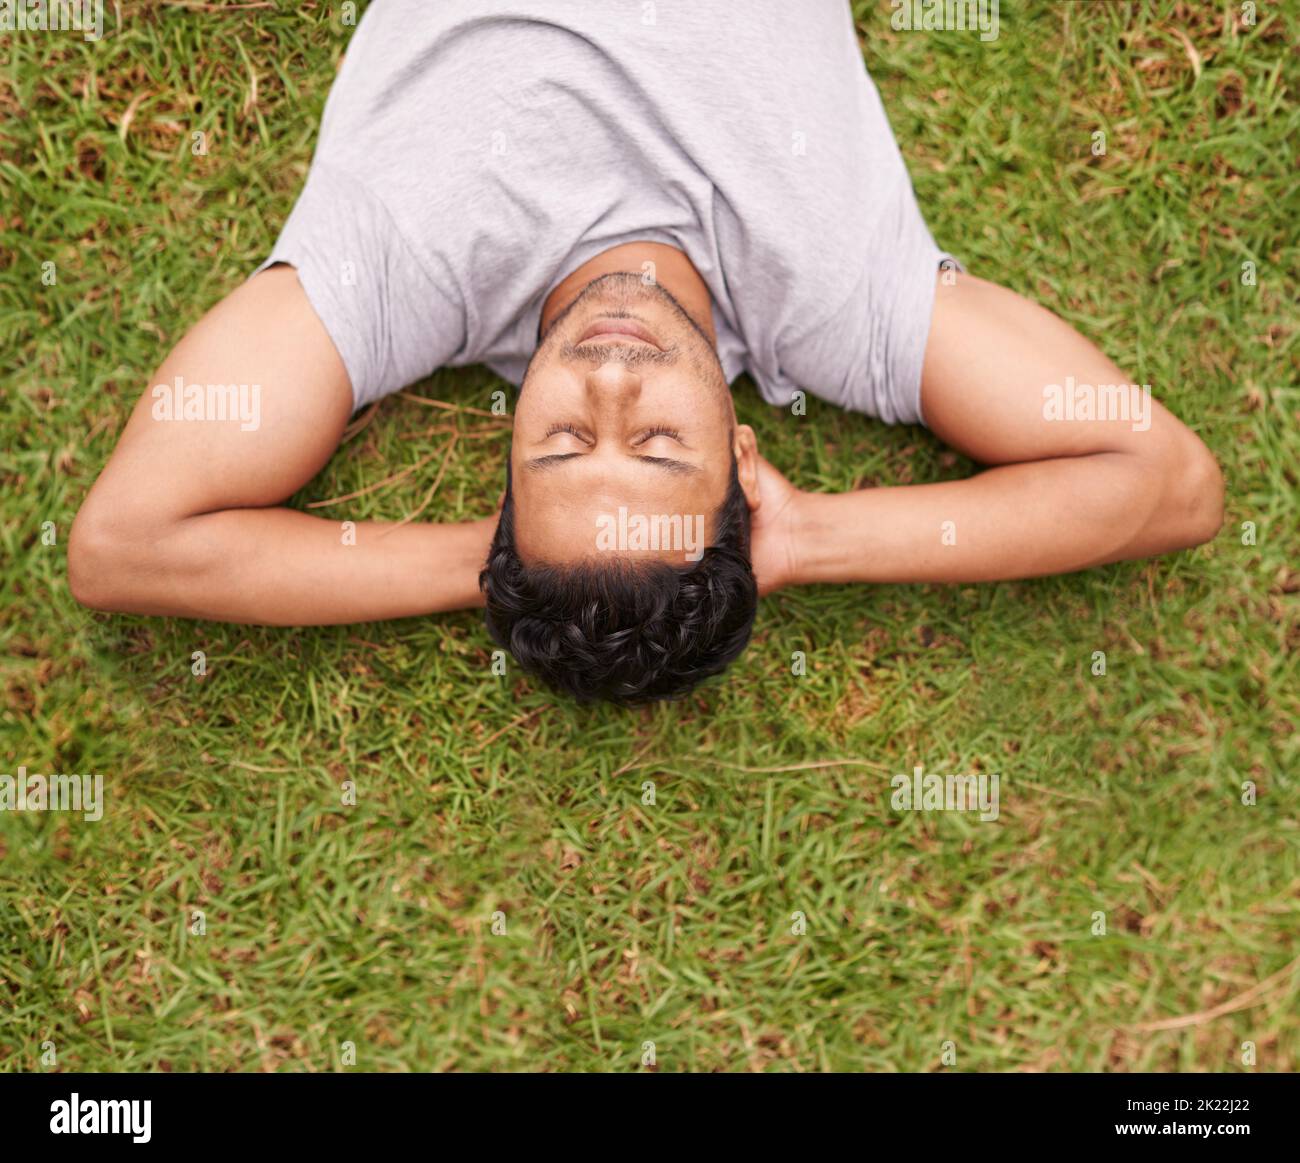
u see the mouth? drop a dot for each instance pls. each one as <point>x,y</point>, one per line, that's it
<point>625,330</point>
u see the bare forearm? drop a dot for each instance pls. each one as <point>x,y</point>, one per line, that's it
<point>1021,520</point>
<point>282,567</point>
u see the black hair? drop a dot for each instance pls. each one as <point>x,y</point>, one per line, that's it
<point>622,630</point>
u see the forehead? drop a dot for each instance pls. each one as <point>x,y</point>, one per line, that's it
<point>566,510</point>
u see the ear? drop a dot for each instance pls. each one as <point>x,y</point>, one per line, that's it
<point>745,448</point>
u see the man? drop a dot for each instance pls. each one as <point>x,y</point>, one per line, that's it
<point>622,207</point>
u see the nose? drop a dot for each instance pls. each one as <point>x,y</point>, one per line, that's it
<point>613,385</point>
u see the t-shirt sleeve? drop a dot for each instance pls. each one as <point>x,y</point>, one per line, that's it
<point>391,323</point>
<point>866,355</point>
<point>865,350</point>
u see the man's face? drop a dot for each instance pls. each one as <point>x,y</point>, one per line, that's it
<point>624,413</point>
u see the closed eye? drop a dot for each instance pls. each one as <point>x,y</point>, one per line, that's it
<point>555,429</point>
<point>651,433</point>
<point>540,463</point>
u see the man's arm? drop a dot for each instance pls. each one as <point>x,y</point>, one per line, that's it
<point>181,522</point>
<point>1062,495</point>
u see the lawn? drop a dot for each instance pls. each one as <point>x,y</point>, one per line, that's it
<point>360,848</point>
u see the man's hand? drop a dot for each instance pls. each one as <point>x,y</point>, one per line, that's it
<point>774,527</point>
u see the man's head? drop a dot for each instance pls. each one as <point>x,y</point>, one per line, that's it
<point>620,566</point>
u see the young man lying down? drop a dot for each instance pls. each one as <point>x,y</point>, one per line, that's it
<point>622,215</point>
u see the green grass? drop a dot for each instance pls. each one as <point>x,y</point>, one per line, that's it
<point>669,922</point>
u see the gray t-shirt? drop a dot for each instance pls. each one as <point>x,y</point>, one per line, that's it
<point>475,152</point>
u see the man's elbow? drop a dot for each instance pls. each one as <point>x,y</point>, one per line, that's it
<point>1196,495</point>
<point>109,553</point>
<point>94,561</point>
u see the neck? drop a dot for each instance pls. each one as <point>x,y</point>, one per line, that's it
<point>672,270</point>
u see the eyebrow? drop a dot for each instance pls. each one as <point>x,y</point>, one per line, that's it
<point>541,463</point>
